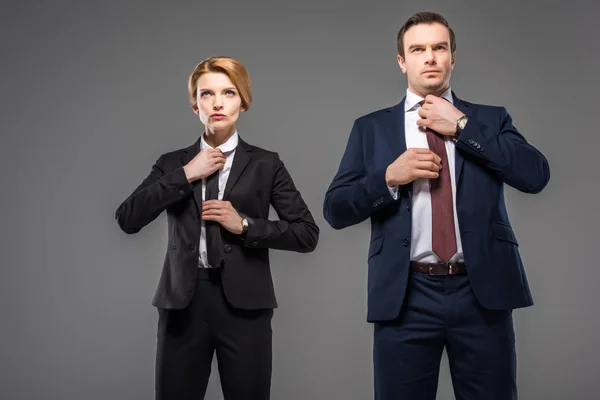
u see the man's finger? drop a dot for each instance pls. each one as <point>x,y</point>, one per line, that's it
<point>431,156</point>
<point>428,166</point>
<point>421,150</point>
<point>423,173</point>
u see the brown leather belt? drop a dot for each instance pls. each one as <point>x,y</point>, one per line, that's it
<point>439,268</point>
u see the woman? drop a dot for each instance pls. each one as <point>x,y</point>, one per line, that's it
<point>215,292</point>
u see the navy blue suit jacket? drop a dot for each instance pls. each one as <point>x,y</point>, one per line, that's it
<point>489,153</point>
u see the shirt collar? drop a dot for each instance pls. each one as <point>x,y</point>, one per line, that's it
<point>226,147</point>
<point>413,99</point>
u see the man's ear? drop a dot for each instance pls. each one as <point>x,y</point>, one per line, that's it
<point>402,63</point>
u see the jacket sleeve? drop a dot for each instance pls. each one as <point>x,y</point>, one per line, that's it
<point>157,192</point>
<point>296,230</point>
<point>355,193</point>
<point>505,153</point>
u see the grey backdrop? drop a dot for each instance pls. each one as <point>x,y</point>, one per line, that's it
<point>93,92</point>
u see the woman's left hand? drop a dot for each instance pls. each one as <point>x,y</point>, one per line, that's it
<point>222,212</point>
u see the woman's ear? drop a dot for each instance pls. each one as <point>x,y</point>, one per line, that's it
<point>195,108</point>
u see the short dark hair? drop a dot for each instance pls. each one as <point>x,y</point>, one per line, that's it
<point>424,18</point>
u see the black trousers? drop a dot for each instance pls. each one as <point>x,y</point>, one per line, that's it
<point>188,338</point>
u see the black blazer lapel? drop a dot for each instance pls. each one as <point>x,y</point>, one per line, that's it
<point>243,154</point>
<point>187,156</point>
<point>458,158</point>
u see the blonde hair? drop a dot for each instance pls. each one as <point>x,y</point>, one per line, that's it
<point>234,69</point>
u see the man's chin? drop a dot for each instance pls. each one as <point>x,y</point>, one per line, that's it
<point>438,87</point>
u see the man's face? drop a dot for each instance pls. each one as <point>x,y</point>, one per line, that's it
<point>427,61</point>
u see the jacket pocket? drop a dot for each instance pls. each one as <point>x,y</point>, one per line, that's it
<point>503,231</point>
<point>375,246</point>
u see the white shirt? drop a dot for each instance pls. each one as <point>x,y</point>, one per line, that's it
<point>228,148</point>
<point>421,245</point>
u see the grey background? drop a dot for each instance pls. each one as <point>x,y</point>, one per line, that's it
<point>93,92</point>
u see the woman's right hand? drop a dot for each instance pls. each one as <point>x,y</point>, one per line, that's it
<point>204,164</point>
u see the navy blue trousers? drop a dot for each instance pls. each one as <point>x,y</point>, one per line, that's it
<point>438,312</point>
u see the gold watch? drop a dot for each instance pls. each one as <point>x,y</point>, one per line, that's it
<point>244,227</point>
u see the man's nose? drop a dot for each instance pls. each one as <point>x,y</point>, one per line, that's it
<point>429,56</point>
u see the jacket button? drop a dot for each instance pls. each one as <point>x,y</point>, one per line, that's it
<point>227,248</point>
<point>181,192</point>
<point>254,244</point>
<point>406,242</point>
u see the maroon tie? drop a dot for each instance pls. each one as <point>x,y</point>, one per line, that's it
<point>443,236</point>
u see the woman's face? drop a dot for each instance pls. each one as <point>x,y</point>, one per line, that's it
<point>218,103</point>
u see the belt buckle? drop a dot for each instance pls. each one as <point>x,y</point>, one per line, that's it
<point>441,274</point>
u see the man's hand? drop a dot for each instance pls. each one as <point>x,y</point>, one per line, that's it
<point>439,115</point>
<point>412,164</point>
<point>222,212</point>
<point>204,164</point>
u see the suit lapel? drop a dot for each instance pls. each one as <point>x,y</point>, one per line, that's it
<point>186,157</point>
<point>458,158</point>
<point>395,135</point>
<point>243,154</point>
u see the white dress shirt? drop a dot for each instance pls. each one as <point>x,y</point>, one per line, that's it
<point>228,149</point>
<point>421,245</point>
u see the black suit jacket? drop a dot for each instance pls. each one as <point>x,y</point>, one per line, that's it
<point>257,179</point>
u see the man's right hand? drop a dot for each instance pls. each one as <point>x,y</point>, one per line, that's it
<point>414,163</point>
<point>204,164</point>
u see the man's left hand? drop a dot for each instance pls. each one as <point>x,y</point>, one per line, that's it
<point>222,212</point>
<point>439,115</point>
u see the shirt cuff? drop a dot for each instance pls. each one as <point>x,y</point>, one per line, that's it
<point>394,192</point>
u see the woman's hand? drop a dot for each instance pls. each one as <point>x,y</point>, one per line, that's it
<point>222,212</point>
<point>204,164</point>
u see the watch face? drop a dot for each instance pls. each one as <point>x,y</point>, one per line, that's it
<point>462,122</point>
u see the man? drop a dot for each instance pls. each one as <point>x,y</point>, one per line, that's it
<point>444,266</point>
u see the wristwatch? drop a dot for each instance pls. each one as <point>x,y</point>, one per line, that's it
<point>244,228</point>
<point>460,126</point>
